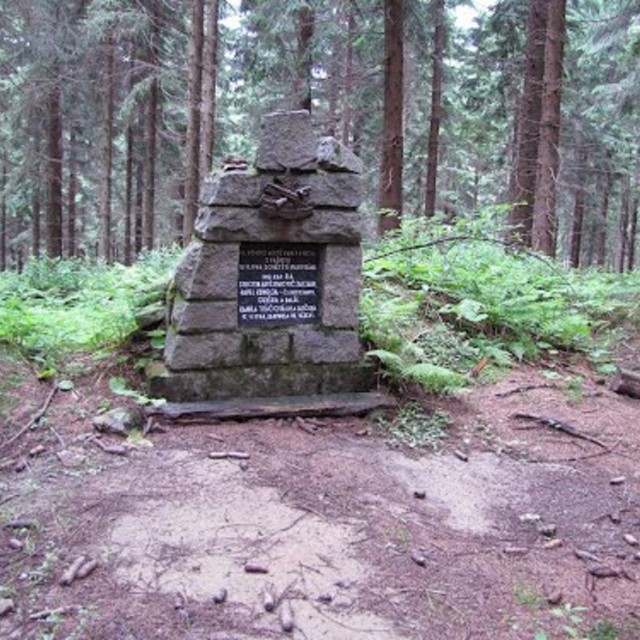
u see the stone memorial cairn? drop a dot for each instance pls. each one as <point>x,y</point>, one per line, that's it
<point>265,301</point>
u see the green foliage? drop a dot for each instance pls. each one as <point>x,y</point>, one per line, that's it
<point>447,296</point>
<point>56,307</point>
<point>416,427</point>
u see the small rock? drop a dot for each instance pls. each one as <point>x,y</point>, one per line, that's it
<point>362,433</point>
<point>14,543</point>
<point>20,466</point>
<point>6,606</point>
<point>220,596</point>
<point>615,517</point>
<point>630,539</point>
<point>547,530</point>
<point>120,421</point>
<point>419,558</point>
<point>419,494</point>
<point>555,597</point>
<point>325,597</point>
<point>637,557</point>
<point>618,480</point>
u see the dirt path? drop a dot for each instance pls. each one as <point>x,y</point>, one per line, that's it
<point>363,538</point>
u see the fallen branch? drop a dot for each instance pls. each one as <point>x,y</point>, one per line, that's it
<point>557,425</point>
<point>524,389</point>
<point>60,611</point>
<point>36,416</point>
<point>579,458</point>
<point>229,455</point>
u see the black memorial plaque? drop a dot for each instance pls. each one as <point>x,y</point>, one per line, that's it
<point>278,284</point>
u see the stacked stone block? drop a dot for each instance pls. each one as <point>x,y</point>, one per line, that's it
<point>210,354</point>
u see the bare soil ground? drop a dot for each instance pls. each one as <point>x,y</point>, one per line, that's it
<point>332,517</point>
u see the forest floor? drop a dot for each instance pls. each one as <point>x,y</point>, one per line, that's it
<point>363,537</point>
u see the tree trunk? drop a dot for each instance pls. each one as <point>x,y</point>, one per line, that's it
<point>601,237</point>
<point>3,214</point>
<point>390,192</point>
<point>347,114</point>
<point>192,147</point>
<point>150,134</point>
<point>578,209</point>
<point>543,232</point>
<point>72,192</point>
<point>633,231</point>
<point>54,173</point>
<point>36,236</point>
<point>625,206</point>
<point>209,80</point>
<point>306,27</point>
<point>106,248</point>
<point>523,176</point>
<point>439,41</point>
<point>139,207</point>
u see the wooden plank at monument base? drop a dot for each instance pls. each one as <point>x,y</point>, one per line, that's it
<point>336,404</point>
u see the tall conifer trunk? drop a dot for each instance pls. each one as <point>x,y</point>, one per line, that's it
<point>439,42</point>
<point>106,248</point>
<point>633,231</point>
<point>54,173</point>
<point>523,176</point>
<point>578,209</point>
<point>209,80</point>
<point>543,233</point>
<point>347,113</point>
<point>306,27</point>
<point>390,192</point>
<point>623,230</point>
<point>601,234</point>
<point>3,214</point>
<point>150,132</point>
<point>72,192</point>
<point>192,147</point>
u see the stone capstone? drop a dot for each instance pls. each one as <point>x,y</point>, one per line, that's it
<point>334,156</point>
<point>286,142</point>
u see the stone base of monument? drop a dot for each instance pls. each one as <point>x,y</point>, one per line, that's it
<point>335,404</point>
<point>265,301</point>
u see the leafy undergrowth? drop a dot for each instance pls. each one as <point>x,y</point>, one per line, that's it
<point>55,308</point>
<point>442,301</point>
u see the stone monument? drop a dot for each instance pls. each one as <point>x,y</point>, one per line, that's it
<point>265,301</point>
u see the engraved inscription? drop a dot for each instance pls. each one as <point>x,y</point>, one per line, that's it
<point>278,284</point>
